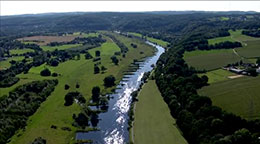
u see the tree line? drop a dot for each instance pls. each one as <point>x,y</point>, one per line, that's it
<point>199,120</point>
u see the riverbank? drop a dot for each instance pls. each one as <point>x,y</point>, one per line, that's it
<point>153,123</point>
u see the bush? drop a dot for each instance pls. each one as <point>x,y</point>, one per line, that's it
<point>109,81</point>
<point>45,72</point>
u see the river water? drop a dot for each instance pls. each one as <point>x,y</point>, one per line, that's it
<point>113,123</point>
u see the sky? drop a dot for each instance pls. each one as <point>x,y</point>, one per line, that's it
<point>34,7</point>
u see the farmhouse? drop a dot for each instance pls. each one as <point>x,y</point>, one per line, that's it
<point>236,70</point>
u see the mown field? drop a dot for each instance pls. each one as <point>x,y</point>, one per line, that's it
<point>211,59</point>
<point>217,75</point>
<point>159,42</point>
<point>153,122</point>
<point>240,96</point>
<point>53,111</point>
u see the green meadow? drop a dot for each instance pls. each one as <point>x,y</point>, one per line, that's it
<point>220,39</point>
<point>217,75</point>
<point>72,72</point>
<point>62,47</point>
<point>210,59</point>
<point>240,96</point>
<point>6,63</point>
<point>153,122</point>
<point>20,51</point>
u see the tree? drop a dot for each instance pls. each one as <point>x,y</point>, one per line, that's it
<point>77,85</point>
<point>114,60</point>
<point>109,81</point>
<point>258,62</point>
<point>96,69</point>
<point>66,86</point>
<point>88,55</point>
<point>39,140</point>
<point>69,98</point>
<point>97,53</point>
<point>54,62</point>
<point>103,68</point>
<point>45,72</point>
<point>95,93</point>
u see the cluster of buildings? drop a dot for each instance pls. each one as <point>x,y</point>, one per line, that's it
<point>243,68</point>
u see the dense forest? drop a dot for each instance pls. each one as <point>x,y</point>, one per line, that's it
<point>199,120</point>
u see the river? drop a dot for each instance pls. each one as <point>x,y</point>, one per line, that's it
<point>113,123</point>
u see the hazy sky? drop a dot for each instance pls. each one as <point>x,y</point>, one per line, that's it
<point>32,7</point>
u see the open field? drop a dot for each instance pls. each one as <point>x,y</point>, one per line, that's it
<point>252,50</point>
<point>53,111</point>
<point>240,96</point>
<point>218,75</point>
<point>6,63</point>
<point>153,122</point>
<point>62,47</point>
<point>43,40</point>
<point>20,51</point>
<point>210,59</point>
<point>238,36</point>
<point>159,42</point>
<point>86,34</point>
<point>220,39</point>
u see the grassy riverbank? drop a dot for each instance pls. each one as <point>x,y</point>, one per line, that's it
<point>153,123</point>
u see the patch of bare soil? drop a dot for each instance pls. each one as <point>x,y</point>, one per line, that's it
<point>44,40</point>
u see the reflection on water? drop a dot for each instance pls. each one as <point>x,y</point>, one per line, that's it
<point>113,123</point>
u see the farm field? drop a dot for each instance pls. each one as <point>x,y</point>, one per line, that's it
<point>159,42</point>
<point>20,51</point>
<point>252,50</point>
<point>153,122</point>
<point>6,63</point>
<point>240,96</point>
<point>218,75</point>
<point>211,59</point>
<point>53,111</point>
<point>62,47</point>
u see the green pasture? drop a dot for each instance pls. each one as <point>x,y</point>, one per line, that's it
<point>62,47</point>
<point>252,50</point>
<point>217,75</point>
<point>210,59</point>
<point>20,51</point>
<point>240,96</point>
<point>153,122</point>
<point>6,63</point>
